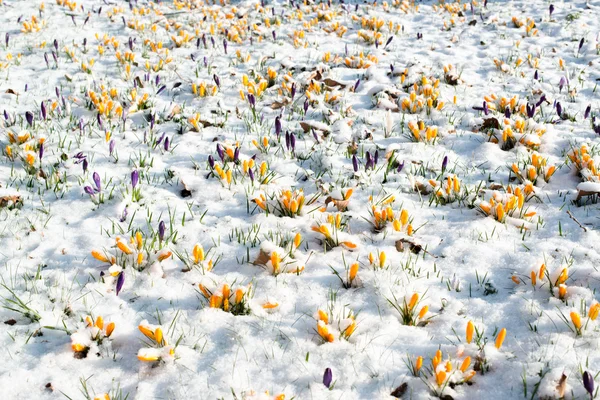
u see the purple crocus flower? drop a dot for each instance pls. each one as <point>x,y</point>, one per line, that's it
<point>29,117</point>
<point>236,154</point>
<point>287,140</point>
<point>588,109</point>
<point>163,87</point>
<point>354,163</point>
<point>220,151</point>
<point>43,110</point>
<point>251,100</point>
<point>369,163</point>
<point>293,90</point>
<point>356,85</point>
<point>376,157</point>
<point>120,281</point>
<point>251,174</point>
<point>84,164</point>
<point>293,141</point>
<point>211,161</point>
<point>97,182</point>
<point>123,215</point>
<point>225,45</point>
<point>46,59</point>
<point>444,164</point>
<point>166,145</point>
<point>588,383</point>
<point>135,176</point>
<point>217,80</point>
<point>41,150</point>
<point>535,75</point>
<point>559,109</point>
<point>388,41</point>
<point>562,83</point>
<point>327,378</point>
<point>111,146</point>
<point>55,44</point>
<point>400,167</point>
<point>88,190</point>
<point>161,230</point>
<point>6,38</point>
<point>274,35</point>
<point>551,9</point>
<point>278,126</point>
<point>306,106</point>
<point>99,120</point>
<point>542,99</point>
<point>507,112</point>
<point>485,108</point>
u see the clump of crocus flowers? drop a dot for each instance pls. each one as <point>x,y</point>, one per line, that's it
<point>584,162</point>
<point>281,259</point>
<point>287,203</point>
<point>137,252</point>
<point>423,96</point>
<point>419,132</point>
<point>94,332</point>
<point>447,190</point>
<point>158,349</point>
<point>577,325</point>
<point>332,232</point>
<point>410,311</point>
<point>383,214</point>
<point>341,328</point>
<point>226,298</point>
<point>199,259</point>
<point>534,169</point>
<point>507,208</point>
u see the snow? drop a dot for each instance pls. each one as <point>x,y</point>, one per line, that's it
<point>214,296</point>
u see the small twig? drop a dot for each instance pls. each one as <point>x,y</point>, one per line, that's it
<point>575,219</point>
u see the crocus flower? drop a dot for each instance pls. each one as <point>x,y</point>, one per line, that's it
<point>161,230</point>
<point>562,83</point>
<point>29,117</point>
<point>588,383</point>
<point>43,110</point>
<point>559,109</point>
<point>444,164</point>
<point>500,338</point>
<point>278,125</point>
<point>135,176</point>
<point>124,215</point>
<point>96,178</point>
<point>120,281</point>
<point>588,109</point>
<point>551,9</point>
<point>327,377</point>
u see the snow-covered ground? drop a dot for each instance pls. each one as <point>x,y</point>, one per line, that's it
<point>299,200</point>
